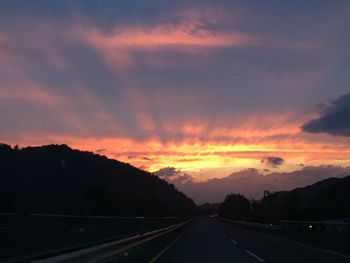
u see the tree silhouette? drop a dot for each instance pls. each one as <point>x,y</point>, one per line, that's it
<point>235,206</point>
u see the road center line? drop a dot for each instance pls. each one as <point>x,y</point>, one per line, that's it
<point>254,256</point>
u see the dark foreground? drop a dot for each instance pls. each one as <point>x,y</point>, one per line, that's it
<point>202,240</point>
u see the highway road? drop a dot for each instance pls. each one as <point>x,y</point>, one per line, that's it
<point>211,240</point>
<point>203,240</point>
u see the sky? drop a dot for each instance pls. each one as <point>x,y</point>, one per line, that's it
<point>203,88</point>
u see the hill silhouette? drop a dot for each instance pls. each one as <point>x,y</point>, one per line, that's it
<point>252,182</point>
<point>325,200</point>
<point>57,179</point>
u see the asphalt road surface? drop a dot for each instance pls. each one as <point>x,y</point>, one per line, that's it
<point>210,240</point>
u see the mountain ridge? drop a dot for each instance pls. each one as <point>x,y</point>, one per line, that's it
<point>323,200</point>
<point>59,179</point>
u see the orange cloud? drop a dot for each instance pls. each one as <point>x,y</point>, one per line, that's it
<point>190,35</point>
<point>204,148</point>
<point>242,127</point>
<point>165,36</point>
<point>208,157</point>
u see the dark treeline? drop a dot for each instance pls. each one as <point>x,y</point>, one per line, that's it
<point>56,179</point>
<point>208,208</point>
<point>327,199</point>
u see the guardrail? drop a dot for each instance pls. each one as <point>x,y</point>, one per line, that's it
<point>316,226</point>
<point>98,251</point>
<point>251,224</point>
<point>79,216</point>
<point>305,226</point>
<point>30,233</point>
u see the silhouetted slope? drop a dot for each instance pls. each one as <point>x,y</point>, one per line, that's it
<point>57,179</point>
<point>327,199</point>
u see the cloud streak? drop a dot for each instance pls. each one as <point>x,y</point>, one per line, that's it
<point>191,34</point>
<point>165,36</point>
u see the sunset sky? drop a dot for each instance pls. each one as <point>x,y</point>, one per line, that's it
<point>204,87</point>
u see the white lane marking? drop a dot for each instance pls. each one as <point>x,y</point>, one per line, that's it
<point>234,241</point>
<point>306,246</point>
<point>310,247</point>
<point>254,256</point>
<point>320,249</point>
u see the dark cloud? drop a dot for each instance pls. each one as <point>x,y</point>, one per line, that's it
<point>335,118</point>
<point>131,157</point>
<point>101,150</point>
<point>167,172</point>
<point>174,176</point>
<point>272,161</point>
